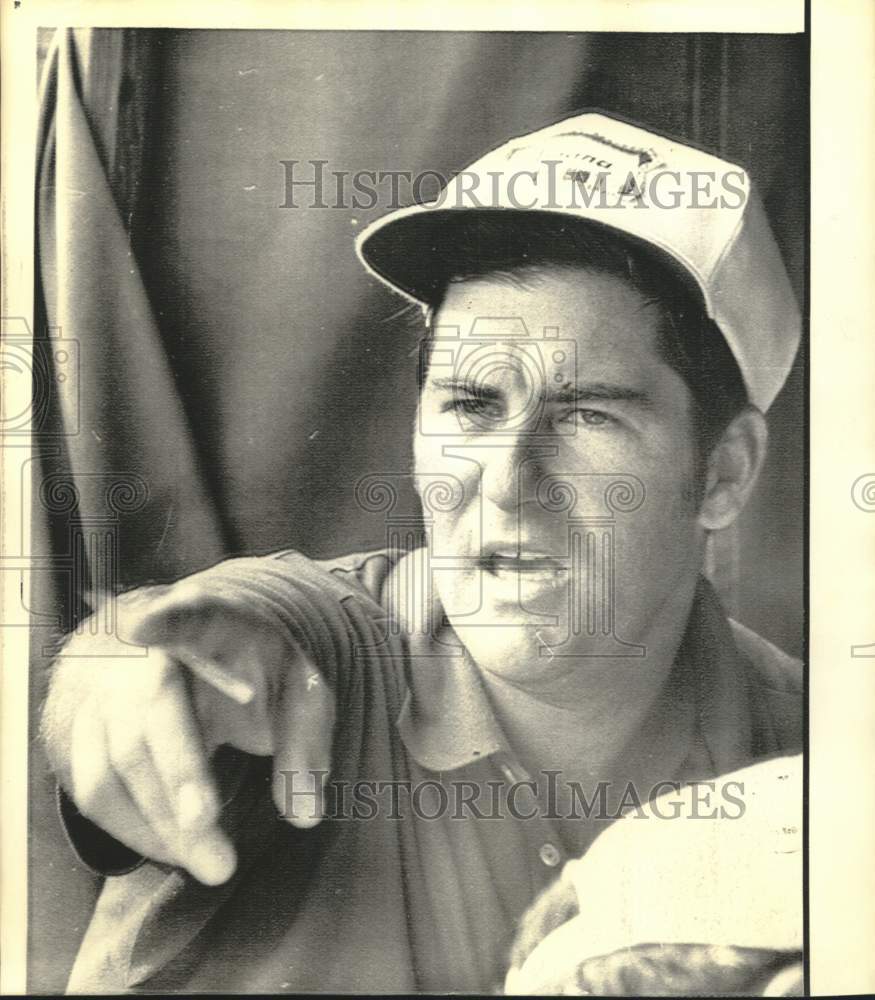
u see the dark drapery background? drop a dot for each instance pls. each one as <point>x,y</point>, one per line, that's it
<point>229,370</point>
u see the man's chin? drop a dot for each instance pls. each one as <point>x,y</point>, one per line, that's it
<point>507,639</point>
<point>510,599</point>
<point>527,590</point>
<point>511,637</point>
<point>523,655</point>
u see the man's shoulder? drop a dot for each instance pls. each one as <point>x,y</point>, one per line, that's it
<point>366,572</point>
<point>775,670</point>
<point>777,690</point>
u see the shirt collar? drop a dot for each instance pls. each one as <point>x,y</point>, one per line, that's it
<point>447,722</point>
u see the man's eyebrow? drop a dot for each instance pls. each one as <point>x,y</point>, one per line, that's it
<point>605,391</point>
<point>567,393</point>
<point>469,386</point>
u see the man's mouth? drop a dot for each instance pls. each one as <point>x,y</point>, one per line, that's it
<point>502,561</point>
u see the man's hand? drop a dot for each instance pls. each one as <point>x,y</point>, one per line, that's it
<point>130,736</point>
<point>682,897</point>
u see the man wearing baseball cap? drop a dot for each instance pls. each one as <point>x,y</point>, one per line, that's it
<point>360,774</point>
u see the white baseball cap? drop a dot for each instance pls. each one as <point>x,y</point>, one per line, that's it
<point>700,211</point>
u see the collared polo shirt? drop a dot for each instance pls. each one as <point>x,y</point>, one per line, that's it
<point>437,840</point>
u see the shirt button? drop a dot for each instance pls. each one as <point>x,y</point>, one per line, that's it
<point>550,855</point>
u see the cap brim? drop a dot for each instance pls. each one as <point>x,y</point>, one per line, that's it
<point>417,250</point>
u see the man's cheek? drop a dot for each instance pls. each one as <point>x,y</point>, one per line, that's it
<point>447,539</point>
<point>650,558</point>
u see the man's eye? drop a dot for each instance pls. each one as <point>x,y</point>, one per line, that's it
<point>593,418</point>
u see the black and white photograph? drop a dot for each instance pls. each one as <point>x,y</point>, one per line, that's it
<point>417,592</point>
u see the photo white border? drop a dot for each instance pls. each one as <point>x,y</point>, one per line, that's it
<point>841,753</point>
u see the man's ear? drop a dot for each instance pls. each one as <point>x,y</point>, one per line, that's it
<point>733,468</point>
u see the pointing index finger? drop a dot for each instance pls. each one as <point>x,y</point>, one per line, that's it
<point>303,736</point>
<point>220,679</point>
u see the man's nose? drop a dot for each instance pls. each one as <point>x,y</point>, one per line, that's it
<point>512,467</point>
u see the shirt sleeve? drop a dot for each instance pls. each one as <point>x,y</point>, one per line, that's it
<point>327,608</point>
<point>93,846</point>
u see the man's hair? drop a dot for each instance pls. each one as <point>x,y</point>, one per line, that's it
<point>514,246</point>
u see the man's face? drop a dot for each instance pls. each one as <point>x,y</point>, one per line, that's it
<point>534,388</point>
